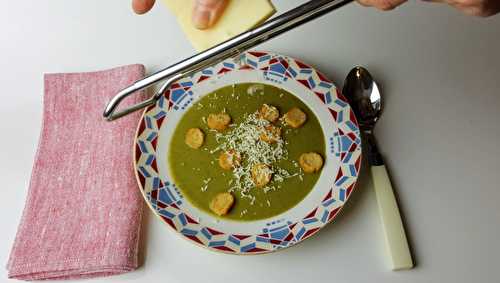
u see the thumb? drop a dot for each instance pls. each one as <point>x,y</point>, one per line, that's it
<point>142,6</point>
<point>384,5</point>
<point>207,12</point>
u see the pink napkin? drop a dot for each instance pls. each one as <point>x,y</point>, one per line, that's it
<point>83,211</point>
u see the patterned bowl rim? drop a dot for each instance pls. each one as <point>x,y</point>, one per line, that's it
<point>356,152</point>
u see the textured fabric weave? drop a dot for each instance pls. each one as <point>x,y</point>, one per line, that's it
<point>83,211</point>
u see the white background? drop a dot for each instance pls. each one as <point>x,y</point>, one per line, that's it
<point>440,133</point>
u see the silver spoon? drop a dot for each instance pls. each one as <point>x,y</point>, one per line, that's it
<point>364,97</point>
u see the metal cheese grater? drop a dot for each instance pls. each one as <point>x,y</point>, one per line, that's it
<point>230,48</point>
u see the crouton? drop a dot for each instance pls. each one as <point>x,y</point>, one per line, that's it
<point>222,203</point>
<point>311,162</point>
<point>194,138</point>
<point>295,117</point>
<point>269,113</point>
<point>261,175</point>
<point>229,159</point>
<point>219,121</point>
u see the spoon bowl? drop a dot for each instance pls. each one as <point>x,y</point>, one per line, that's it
<point>364,97</point>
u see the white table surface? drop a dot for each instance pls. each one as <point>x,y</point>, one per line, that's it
<point>440,134</point>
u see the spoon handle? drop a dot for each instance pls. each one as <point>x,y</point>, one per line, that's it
<point>394,232</point>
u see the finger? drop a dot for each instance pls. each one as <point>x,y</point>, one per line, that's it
<point>481,8</point>
<point>477,10</point>
<point>365,3</point>
<point>207,12</point>
<point>142,6</point>
<point>384,5</point>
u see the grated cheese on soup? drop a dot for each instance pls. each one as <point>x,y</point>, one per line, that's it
<point>245,139</point>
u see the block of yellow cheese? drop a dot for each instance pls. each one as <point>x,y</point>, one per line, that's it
<point>239,16</point>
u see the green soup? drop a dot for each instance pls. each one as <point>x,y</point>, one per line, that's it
<point>199,177</point>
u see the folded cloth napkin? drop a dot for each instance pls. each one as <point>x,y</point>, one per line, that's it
<point>83,211</point>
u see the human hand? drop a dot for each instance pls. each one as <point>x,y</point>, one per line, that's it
<point>205,12</point>
<point>142,6</point>
<point>482,8</point>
